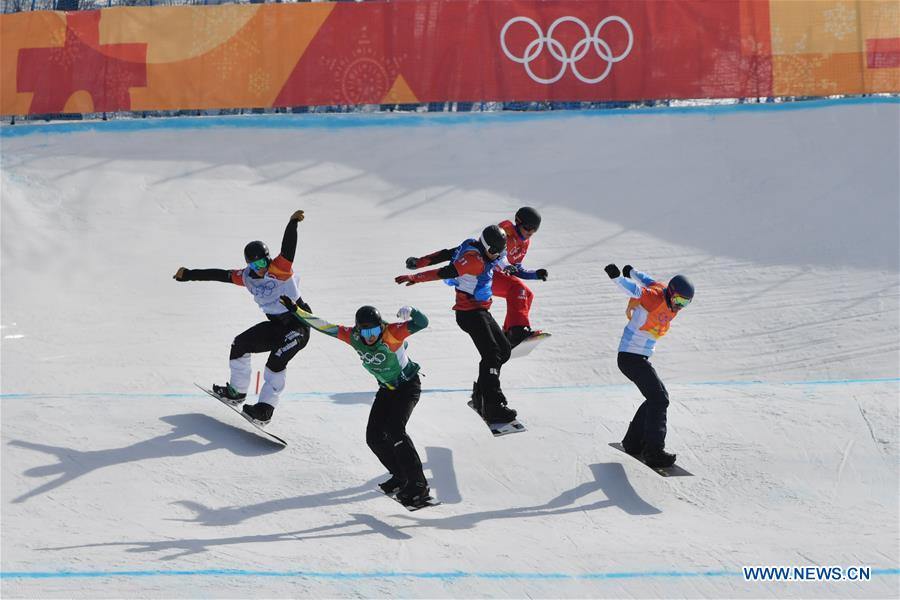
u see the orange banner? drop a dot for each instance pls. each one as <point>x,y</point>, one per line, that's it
<point>243,56</point>
<point>835,47</point>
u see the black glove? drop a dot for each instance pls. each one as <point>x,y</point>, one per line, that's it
<point>511,269</point>
<point>626,271</point>
<point>612,270</point>
<point>412,263</point>
<point>288,303</point>
<point>541,274</point>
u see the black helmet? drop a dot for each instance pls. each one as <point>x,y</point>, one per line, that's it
<point>493,239</point>
<point>255,250</point>
<point>679,286</point>
<point>528,218</point>
<point>367,316</point>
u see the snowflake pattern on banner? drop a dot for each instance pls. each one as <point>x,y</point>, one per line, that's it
<point>259,83</point>
<point>840,21</point>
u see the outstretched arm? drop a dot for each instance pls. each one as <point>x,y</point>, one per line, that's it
<point>223,275</point>
<point>289,240</point>
<point>445,272</point>
<point>310,319</point>
<point>632,288</point>
<point>642,278</point>
<point>432,259</point>
<point>522,273</point>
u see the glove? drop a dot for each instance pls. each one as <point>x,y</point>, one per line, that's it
<point>407,279</point>
<point>626,271</point>
<point>297,216</point>
<point>405,313</point>
<point>511,269</point>
<point>541,274</point>
<point>180,274</point>
<point>412,263</point>
<point>288,303</point>
<point>612,270</point>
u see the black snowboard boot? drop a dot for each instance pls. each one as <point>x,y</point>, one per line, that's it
<point>656,457</point>
<point>261,413</point>
<point>498,412</point>
<point>413,493</point>
<point>517,334</point>
<point>228,394</point>
<point>392,485</point>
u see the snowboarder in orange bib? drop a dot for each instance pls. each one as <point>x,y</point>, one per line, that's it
<point>651,309</point>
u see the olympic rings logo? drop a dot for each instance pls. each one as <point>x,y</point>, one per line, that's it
<point>372,359</point>
<point>558,51</point>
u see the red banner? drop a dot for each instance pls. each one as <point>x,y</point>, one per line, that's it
<point>538,50</point>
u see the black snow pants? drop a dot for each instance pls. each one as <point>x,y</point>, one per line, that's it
<point>386,430</point>
<point>648,426</point>
<point>492,345</point>
<point>280,341</point>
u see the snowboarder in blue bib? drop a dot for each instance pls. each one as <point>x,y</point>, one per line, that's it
<point>471,271</point>
<point>281,335</point>
<point>381,347</point>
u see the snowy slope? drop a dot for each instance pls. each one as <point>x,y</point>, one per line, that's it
<point>121,479</point>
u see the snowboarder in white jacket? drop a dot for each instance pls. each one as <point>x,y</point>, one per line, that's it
<point>281,335</point>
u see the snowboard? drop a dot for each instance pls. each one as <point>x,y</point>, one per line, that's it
<point>528,344</point>
<point>426,502</point>
<point>673,471</point>
<point>246,417</point>
<point>499,429</point>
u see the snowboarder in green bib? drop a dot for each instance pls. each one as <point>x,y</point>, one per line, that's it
<point>382,349</point>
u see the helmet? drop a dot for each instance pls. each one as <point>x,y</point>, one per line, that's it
<point>493,239</point>
<point>681,286</point>
<point>255,250</point>
<point>368,316</point>
<point>528,218</point>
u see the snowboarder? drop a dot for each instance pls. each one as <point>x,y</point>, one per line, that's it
<point>650,312</point>
<point>382,350</point>
<point>508,283</point>
<point>471,271</point>
<point>282,335</point>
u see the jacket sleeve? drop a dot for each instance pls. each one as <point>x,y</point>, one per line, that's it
<point>642,278</point>
<point>323,326</point>
<point>630,287</point>
<point>418,321</point>
<point>289,241</point>
<point>223,275</point>
<point>435,258</point>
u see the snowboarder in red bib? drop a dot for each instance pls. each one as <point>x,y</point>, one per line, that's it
<point>508,282</point>
<point>382,349</point>
<point>281,335</point>
<point>650,312</point>
<point>471,271</point>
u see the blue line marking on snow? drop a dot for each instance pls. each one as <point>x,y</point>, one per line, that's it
<point>400,119</point>
<point>551,388</point>
<point>447,575</point>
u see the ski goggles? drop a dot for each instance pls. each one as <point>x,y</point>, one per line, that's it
<point>260,264</point>
<point>680,301</point>
<point>370,331</point>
